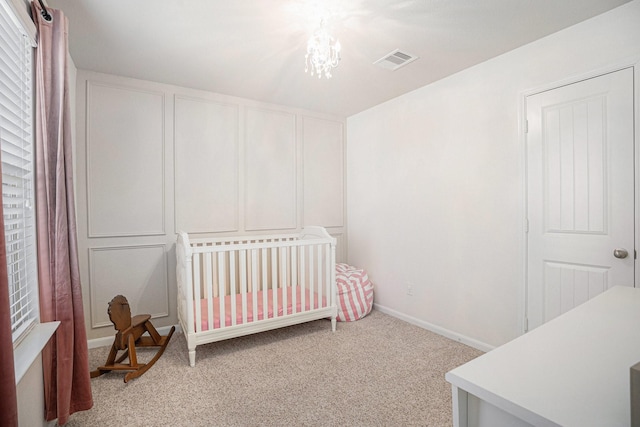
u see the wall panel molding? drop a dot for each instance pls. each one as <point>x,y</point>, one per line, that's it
<point>125,159</point>
<point>323,163</point>
<point>270,167</point>
<point>206,165</point>
<point>139,272</point>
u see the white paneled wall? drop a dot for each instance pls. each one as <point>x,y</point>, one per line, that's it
<point>323,176</point>
<point>324,189</point>
<point>270,175</point>
<point>206,151</point>
<point>138,272</point>
<point>153,159</point>
<point>125,161</point>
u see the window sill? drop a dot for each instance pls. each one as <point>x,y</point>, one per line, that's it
<point>31,347</point>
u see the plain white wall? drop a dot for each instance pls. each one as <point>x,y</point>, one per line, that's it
<point>435,183</point>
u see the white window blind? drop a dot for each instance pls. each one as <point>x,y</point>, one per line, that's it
<point>16,138</point>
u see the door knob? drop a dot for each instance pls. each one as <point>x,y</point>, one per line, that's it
<point>620,253</point>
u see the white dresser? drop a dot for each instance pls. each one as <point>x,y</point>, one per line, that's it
<point>571,371</point>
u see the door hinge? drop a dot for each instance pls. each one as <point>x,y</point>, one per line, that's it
<point>635,254</point>
<point>526,126</point>
<point>526,225</point>
<point>526,324</point>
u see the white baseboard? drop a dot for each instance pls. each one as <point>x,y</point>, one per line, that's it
<point>436,329</point>
<point>107,341</point>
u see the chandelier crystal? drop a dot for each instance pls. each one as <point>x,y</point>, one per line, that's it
<point>323,53</point>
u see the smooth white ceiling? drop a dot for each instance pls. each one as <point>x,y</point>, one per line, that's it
<point>255,48</point>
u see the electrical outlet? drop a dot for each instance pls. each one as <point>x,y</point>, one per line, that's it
<point>409,288</point>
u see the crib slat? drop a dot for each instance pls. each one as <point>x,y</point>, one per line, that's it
<point>208,286</point>
<point>232,286</point>
<point>196,291</point>
<point>283,275</point>
<point>303,293</point>
<point>265,291</point>
<point>207,258</point>
<point>320,282</point>
<point>221,289</point>
<point>274,281</point>
<point>327,254</point>
<point>311,278</point>
<point>254,280</point>
<point>243,283</point>
<point>294,280</point>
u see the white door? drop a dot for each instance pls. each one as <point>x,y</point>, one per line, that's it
<point>580,193</point>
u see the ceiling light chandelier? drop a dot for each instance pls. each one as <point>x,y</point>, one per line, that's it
<point>323,53</point>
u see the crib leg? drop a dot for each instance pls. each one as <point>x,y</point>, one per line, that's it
<point>192,357</point>
<point>333,324</point>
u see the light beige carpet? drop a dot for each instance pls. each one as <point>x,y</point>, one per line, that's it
<point>378,371</point>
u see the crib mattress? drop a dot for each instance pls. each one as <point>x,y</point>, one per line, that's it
<point>260,314</point>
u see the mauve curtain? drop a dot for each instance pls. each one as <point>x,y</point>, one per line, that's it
<point>67,385</point>
<point>8,399</point>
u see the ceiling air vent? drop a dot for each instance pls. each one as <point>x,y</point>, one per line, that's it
<point>395,59</point>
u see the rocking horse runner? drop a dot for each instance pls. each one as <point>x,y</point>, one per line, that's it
<point>129,335</point>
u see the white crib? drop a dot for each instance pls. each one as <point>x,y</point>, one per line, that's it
<point>234,286</point>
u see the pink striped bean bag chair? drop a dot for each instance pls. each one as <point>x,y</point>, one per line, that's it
<point>355,293</point>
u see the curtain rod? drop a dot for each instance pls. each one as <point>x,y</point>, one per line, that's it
<point>45,14</point>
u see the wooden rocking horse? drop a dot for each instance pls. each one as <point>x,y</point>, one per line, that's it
<point>129,335</point>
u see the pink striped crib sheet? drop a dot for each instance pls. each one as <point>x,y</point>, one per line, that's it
<point>260,312</point>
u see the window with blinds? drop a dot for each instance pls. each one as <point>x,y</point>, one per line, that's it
<point>16,137</point>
